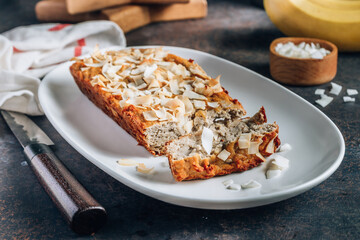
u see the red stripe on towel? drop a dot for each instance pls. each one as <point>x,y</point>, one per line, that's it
<point>58,27</point>
<point>15,50</point>
<point>81,42</point>
<point>77,51</point>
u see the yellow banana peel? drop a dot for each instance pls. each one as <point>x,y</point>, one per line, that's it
<point>337,21</point>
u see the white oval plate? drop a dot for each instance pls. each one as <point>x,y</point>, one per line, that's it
<point>318,146</point>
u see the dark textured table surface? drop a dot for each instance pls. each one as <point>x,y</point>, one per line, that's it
<point>233,30</point>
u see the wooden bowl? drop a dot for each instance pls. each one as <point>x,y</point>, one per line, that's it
<point>303,71</point>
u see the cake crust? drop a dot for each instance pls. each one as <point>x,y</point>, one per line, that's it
<point>160,98</point>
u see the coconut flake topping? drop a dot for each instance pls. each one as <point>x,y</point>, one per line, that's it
<point>244,141</point>
<point>146,79</point>
<point>302,50</point>
<point>207,139</point>
<point>223,155</point>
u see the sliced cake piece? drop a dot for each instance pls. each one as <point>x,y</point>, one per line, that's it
<point>235,146</point>
<point>154,95</point>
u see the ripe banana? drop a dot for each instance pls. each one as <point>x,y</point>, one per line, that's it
<point>337,21</point>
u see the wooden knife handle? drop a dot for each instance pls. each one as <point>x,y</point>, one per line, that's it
<point>83,213</point>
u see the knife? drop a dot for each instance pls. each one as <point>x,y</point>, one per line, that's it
<point>83,213</point>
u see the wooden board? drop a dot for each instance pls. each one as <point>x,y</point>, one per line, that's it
<point>82,6</point>
<point>128,17</point>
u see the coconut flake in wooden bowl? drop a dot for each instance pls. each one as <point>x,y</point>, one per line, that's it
<point>312,64</point>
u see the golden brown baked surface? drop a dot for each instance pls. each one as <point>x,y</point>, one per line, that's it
<point>142,88</point>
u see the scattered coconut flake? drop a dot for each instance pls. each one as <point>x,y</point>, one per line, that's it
<point>143,100</point>
<point>154,84</point>
<point>352,92</point>
<point>198,84</point>
<point>193,95</point>
<point>109,71</point>
<point>170,75</point>
<point>143,169</point>
<point>174,104</point>
<point>178,69</point>
<point>207,91</point>
<point>270,148</point>
<point>129,59</point>
<point>207,139</point>
<point>259,155</point>
<point>199,104</point>
<point>234,186</point>
<point>150,116</point>
<point>100,64</point>
<point>244,141</point>
<point>99,79</point>
<point>319,91</point>
<point>348,99</point>
<point>127,162</point>
<point>213,104</point>
<point>132,86</point>
<point>335,88</point>
<point>174,86</point>
<point>138,79</point>
<point>141,86</point>
<point>250,184</point>
<point>229,160</point>
<point>219,119</point>
<point>196,70</point>
<point>139,70</point>
<point>188,126</point>
<point>189,108</point>
<point>324,100</point>
<point>223,155</point>
<point>228,182</point>
<point>277,166</point>
<point>180,115</point>
<point>24,163</point>
<point>271,173</point>
<point>285,147</point>
<point>215,84</point>
<point>161,113</point>
<point>254,147</point>
<point>149,70</point>
<point>279,162</point>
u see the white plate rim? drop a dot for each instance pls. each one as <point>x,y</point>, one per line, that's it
<point>210,203</point>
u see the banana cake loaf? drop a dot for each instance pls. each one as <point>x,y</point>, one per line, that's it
<point>223,148</point>
<point>168,103</point>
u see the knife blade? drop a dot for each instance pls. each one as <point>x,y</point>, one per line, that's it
<point>83,213</point>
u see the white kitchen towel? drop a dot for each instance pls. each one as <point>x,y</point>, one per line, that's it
<point>28,53</point>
